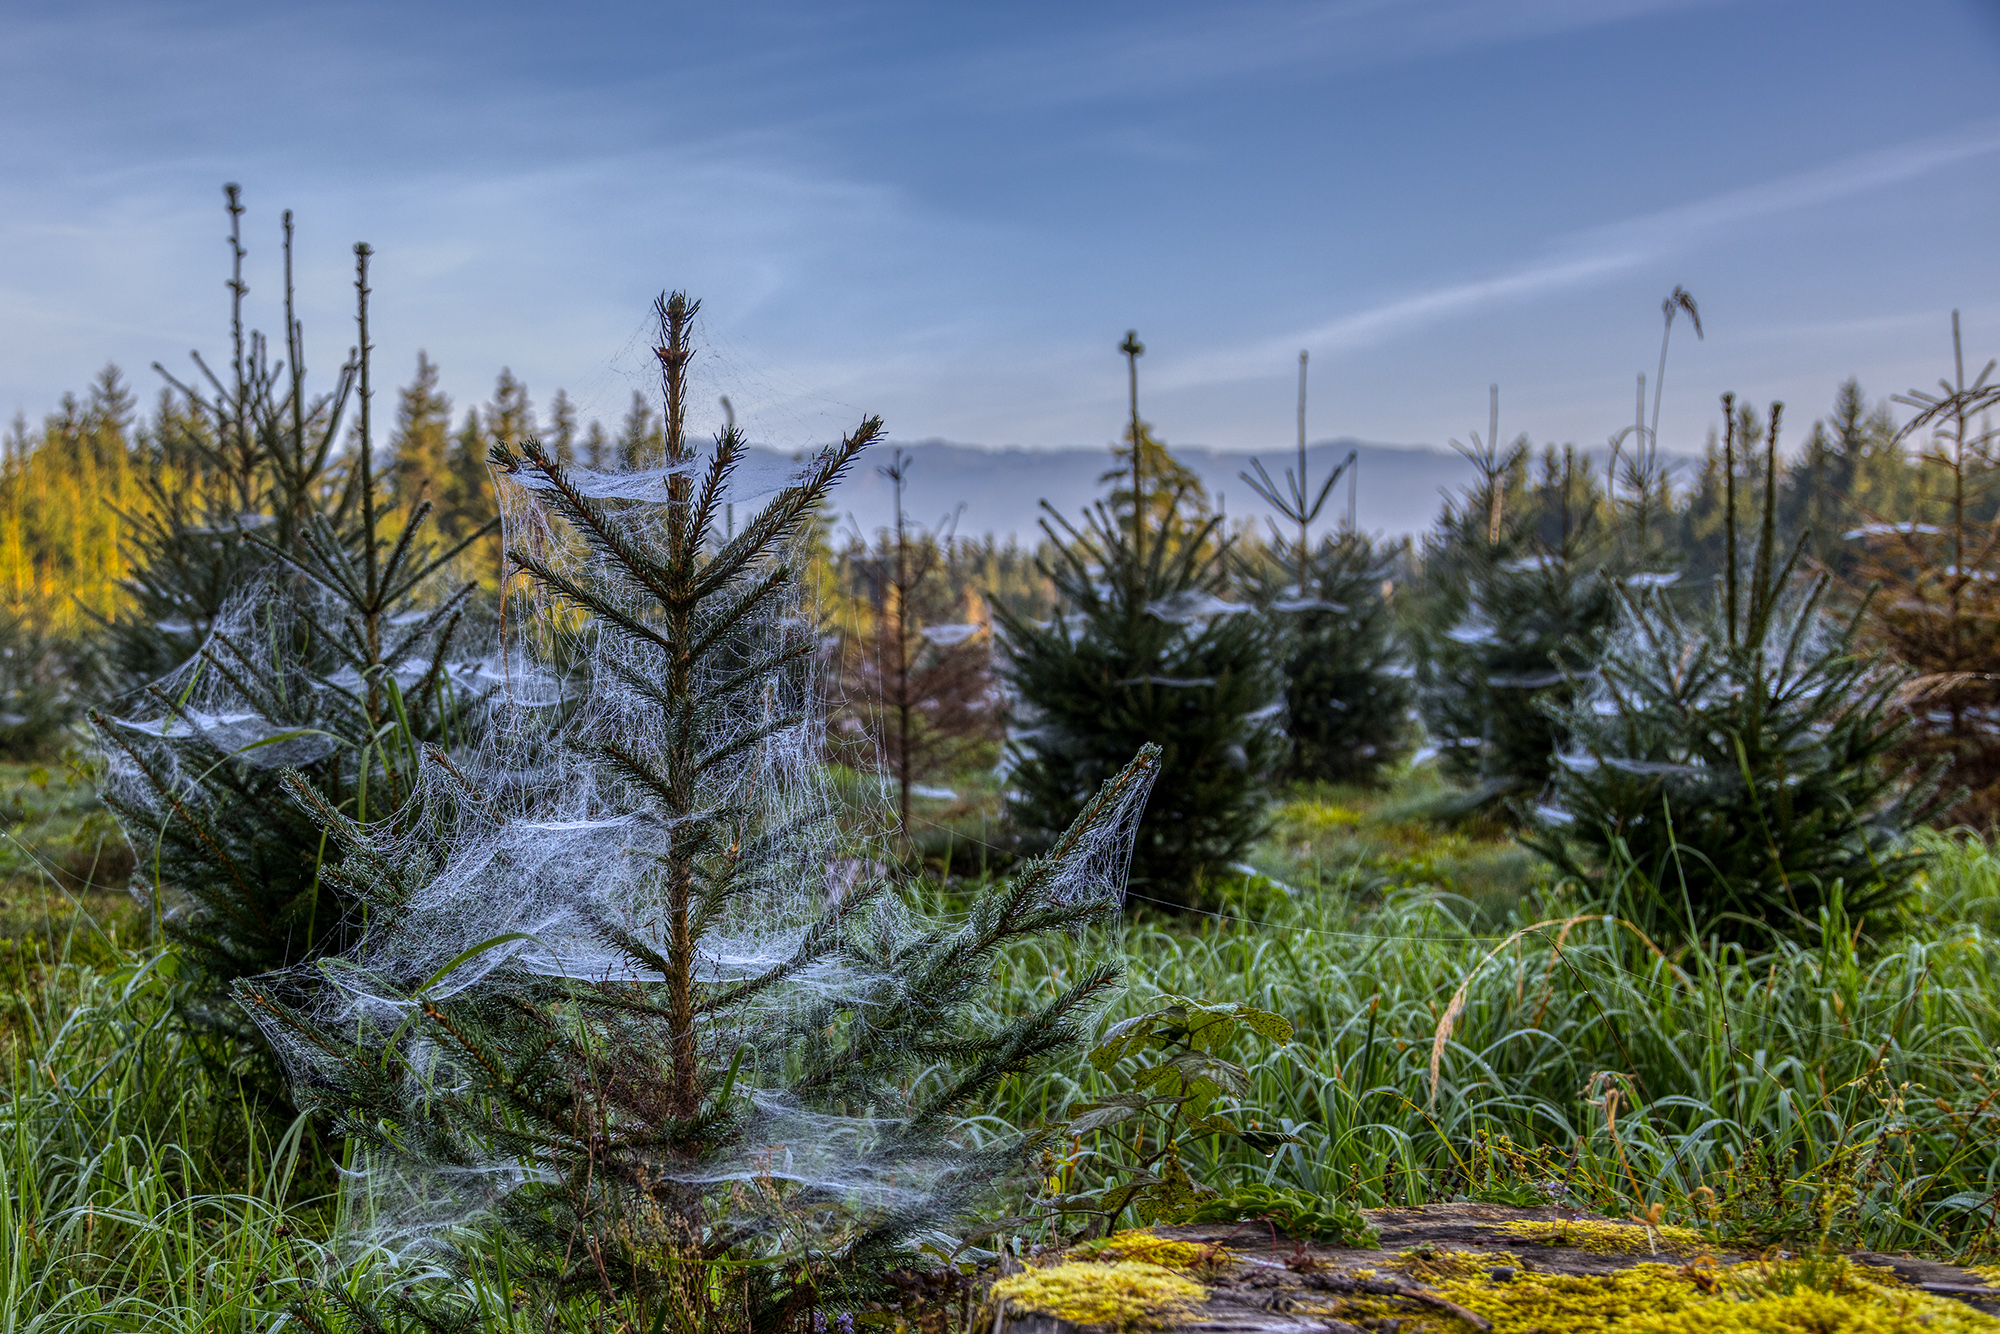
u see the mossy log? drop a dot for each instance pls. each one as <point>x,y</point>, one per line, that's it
<point>1487,1269</point>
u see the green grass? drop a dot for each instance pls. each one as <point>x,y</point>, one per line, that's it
<point>63,862</point>
<point>1847,1093</point>
<point>141,1192</point>
<point>1383,842</point>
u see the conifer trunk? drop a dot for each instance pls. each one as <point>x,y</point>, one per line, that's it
<point>685,1099</point>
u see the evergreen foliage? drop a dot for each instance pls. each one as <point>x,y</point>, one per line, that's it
<point>1347,703</point>
<point>420,450</point>
<point>1175,501</point>
<point>252,463</point>
<point>43,679</point>
<point>1347,688</point>
<point>145,522</point>
<point>1521,601</point>
<point>63,492</point>
<point>1851,469</point>
<point>1729,773</point>
<point>641,438</point>
<point>597,447</point>
<point>1937,612</point>
<point>627,1013</point>
<point>1144,649</point>
<point>560,437</point>
<point>333,665</point>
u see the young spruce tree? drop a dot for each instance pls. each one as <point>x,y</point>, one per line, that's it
<point>617,1005</point>
<point>1937,613</point>
<point>1347,693</point>
<point>248,459</point>
<point>1525,603</point>
<point>922,695</point>
<point>1730,773</point>
<point>328,667</point>
<point>1143,649</point>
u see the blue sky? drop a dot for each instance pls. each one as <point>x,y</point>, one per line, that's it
<point>950,213</point>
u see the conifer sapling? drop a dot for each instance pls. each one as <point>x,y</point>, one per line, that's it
<point>1730,773</point>
<point>330,667</point>
<point>619,1001</point>
<point>1144,649</point>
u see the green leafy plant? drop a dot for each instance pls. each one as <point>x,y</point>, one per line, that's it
<point>1171,1059</point>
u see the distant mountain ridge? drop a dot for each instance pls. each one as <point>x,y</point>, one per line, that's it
<point>1000,491</point>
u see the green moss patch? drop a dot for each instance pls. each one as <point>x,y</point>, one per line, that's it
<point>1127,1295</point>
<point>1602,1238</point>
<point>1827,1296</point>
<point>1146,1246</point>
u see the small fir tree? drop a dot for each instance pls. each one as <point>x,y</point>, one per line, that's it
<point>641,440</point>
<point>597,447</point>
<point>420,446</point>
<point>1522,606</point>
<point>1348,692</point>
<point>1347,697</point>
<point>334,666</point>
<point>627,1013</point>
<point>561,433</point>
<point>43,679</point>
<point>1937,614</point>
<point>64,492</point>
<point>1730,772</point>
<point>253,457</point>
<point>1144,649</point>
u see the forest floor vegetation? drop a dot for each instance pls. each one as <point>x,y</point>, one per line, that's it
<point>1462,1028</point>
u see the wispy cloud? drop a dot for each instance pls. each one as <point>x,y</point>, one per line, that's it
<point>1179,50</point>
<point>1602,253</point>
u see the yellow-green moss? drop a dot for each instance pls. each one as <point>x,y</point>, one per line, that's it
<point>1143,1244</point>
<point>1428,1264</point>
<point>1569,1303</point>
<point>1603,1238</point>
<point>1817,1297</point>
<point>1532,1303</point>
<point>1128,1295</point>
<point>1311,816</point>
<point>1877,1312</point>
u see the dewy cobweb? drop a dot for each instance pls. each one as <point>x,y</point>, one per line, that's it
<point>627,988</point>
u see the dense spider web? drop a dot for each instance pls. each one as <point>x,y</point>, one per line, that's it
<point>534,853</point>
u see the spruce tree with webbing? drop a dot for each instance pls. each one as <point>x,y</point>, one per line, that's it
<point>1731,772</point>
<point>245,460</point>
<point>629,1008</point>
<point>336,660</point>
<point>1144,648</point>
